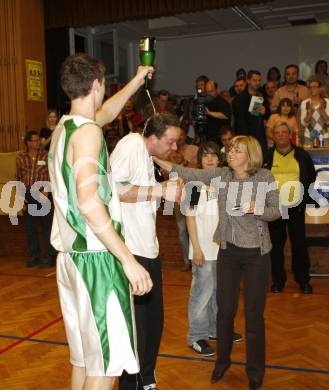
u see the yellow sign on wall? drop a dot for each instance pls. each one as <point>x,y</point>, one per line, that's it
<point>34,78</point>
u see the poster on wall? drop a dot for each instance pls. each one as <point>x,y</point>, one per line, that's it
<point>34,78</point>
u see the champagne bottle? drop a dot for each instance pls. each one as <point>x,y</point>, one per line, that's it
<point>147,52</point>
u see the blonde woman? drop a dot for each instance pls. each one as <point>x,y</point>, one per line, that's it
<point>244,240</point>
<point>47,132</point>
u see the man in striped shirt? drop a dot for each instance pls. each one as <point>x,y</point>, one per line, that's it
<point>32,171</point>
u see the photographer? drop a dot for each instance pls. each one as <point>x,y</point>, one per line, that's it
<point>190,106</point>
<point>218,112</point>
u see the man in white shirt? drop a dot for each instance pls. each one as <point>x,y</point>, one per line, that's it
<point>132,167</point>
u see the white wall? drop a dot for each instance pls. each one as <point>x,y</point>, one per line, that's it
<point>180,61</point>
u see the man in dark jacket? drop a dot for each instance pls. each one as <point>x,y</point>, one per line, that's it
<point>218,112</point>
<point>249,121</point>
<point>289,163</point>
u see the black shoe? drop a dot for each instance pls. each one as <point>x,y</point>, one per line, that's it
<point>217,374</point>
<point>237,337</point>
<point>47,262</point>
<point>306,288</point>
<point>255,384</point>
<point>203,348</point>
<point>276,288</point>
<point>32,262</point>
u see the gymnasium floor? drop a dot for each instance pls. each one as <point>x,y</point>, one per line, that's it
<point>34,353</point>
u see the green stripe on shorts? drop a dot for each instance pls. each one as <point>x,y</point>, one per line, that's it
<point>102,273</point>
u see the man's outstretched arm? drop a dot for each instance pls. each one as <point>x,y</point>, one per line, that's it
<point>170,190</point>
<point>112,107</point>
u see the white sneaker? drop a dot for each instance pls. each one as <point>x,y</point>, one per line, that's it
<point>203,348</point>
<point>152,386</point>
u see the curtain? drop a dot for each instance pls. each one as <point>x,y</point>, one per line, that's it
<point>77,13</point>
<point>11,95</point>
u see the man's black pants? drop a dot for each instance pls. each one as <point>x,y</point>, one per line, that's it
<point>300,258</point>
<point>31,228</point>
<point>149,325</point>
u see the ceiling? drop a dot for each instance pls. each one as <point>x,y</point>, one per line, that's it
<point>276,14</point>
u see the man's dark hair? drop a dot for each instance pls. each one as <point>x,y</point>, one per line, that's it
<point>158,123</point>
<point>163,92</point>
<point>209,147</point>
<point>291,66</point>
<point>28,136</point>
<point>321,62</point>
<point>203,78</point>
<point>225,129</point>
<point>240,70</point>
<point>239,79</point>
<point>276,69</point>
<point>253,72</point>
<point>78,72</point>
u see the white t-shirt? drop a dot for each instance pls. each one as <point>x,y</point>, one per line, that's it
<point>206,219</point>
<point>131,163</point>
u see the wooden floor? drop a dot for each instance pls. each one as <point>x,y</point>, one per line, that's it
<point>34,354</point>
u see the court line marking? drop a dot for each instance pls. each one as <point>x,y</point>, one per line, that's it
<point>168,356</point>
<point>33,340</point>
<point>25,275</point>
<point>51,274</point>
<point>275,367</point>
<point>29,336</point>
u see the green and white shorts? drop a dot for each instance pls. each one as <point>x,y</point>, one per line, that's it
<point>98,313</point>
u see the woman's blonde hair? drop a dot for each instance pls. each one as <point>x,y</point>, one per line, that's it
<point>51,110</point>
<point>253,149</point>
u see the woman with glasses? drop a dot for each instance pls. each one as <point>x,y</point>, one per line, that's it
<point>247,200</point>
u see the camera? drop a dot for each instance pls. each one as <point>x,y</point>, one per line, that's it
<point>199,112</point>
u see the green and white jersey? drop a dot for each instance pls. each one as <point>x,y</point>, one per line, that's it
<point>93,289</point>
<point>70,232</point>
